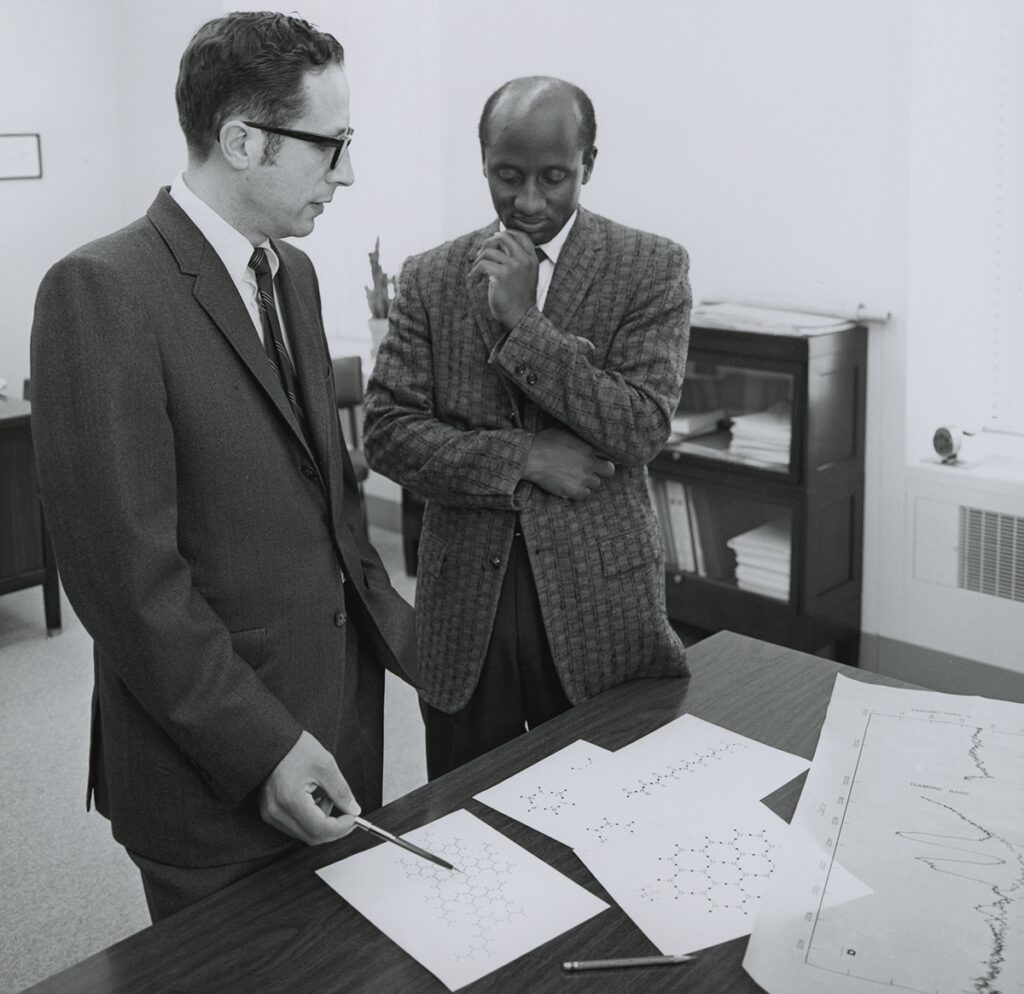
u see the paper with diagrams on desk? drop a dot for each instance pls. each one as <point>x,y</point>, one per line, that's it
<point>583,795</point>
<point>499,903</point>
<point>671,824</point>
<point>921,796</point>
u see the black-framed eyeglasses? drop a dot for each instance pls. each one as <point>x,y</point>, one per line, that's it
<point>338,144</point>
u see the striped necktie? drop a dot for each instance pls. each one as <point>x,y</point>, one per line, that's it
<point>273,339</point>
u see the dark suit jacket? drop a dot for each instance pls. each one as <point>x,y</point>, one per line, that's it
<point>450,412</point>
<point>202,542</point>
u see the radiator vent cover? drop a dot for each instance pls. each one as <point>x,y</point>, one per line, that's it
<point>991,559</point>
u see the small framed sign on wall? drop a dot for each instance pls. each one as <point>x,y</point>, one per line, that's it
<point>21,157</point>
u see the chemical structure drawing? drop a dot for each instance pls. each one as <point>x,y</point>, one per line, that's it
<point>728,873</point>
<point>553,802</point>
<point>473,901</point>
<point>681,768</point>
<point>608,830</point>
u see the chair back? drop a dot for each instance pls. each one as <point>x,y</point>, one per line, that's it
<point>348,391</point>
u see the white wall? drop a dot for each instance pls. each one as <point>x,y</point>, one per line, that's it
<point>57,79</point>
<point>967,214</point>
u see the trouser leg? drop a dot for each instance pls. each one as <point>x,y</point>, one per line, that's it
<point>518,687</point>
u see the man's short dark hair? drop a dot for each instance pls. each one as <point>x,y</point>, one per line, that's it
<point>250,65</point>
<point>588,123</point>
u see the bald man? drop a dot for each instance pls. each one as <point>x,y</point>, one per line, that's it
<point>529,374</point>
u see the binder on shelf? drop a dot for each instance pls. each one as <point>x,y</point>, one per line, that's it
<point>700,567</point>
<point>679,518</point>
<point>716,560</point>
<point>656,489</point>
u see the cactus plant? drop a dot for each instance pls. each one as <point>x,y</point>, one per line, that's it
<point>380,295</point>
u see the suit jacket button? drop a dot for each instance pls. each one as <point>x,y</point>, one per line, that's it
<point>520,370</point>
<point>307,471</point>
<point>531,379</point>
<point>496,561</point>
<point>340,618</point>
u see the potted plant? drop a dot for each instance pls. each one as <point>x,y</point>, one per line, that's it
<point>379,297</point>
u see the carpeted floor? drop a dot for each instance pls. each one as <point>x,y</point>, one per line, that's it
<point>68,890</point>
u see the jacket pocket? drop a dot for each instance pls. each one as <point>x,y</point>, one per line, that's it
<point>628,550</point>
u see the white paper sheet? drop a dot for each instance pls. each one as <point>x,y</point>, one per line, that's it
<point>547,796</point>
<point>693,888</point>
<point>667,775</point>
<point>461,925</point>
<point>921,796</point>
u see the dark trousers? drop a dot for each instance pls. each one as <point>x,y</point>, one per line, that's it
<point>171,888</point>
<point>519,686</point>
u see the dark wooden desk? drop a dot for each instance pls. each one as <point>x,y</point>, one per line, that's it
<point>284,930</point>
<point>26,556</point>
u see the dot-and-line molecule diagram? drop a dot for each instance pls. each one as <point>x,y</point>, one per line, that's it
<point>608,829</point>
<point>550,801</point>
<point>679,769</point>
<point>730,873</point>
<point>472,902</point>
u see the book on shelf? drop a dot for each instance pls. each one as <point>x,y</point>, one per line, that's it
<point>692,423</point>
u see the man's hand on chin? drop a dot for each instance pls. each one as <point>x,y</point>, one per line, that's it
<point>508,261</point>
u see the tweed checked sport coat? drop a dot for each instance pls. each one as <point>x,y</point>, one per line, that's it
<point>202,539</point>
<point>451,410</point>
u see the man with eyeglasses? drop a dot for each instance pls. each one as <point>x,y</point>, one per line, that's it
<point>202,503</point>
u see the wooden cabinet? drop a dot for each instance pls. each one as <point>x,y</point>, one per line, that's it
<point>26,557</point>
<point>761,500</point>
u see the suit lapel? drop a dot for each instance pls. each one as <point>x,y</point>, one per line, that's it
<point>577,268</point>
<point>309,357</point>
<point>217,295</point>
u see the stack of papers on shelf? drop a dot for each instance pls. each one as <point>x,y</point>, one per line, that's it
<point>690,423</point>
<point>762,559</point>
<point>763,436</point>
<point>767,320</point>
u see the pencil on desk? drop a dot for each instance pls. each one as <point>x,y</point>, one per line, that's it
<point>623,962</point>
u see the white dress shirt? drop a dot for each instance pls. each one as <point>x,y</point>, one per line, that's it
<point>234,250</point>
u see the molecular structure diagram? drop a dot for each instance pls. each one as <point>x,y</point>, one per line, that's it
<point>473,902</point>
<point>552,801</point>
<point>679,769</point>
<point>729,873</point>
<point>607,829</point>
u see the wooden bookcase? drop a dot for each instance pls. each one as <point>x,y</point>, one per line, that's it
<point>762,513</point>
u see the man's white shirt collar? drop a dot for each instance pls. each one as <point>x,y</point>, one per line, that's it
<point>232,247</point>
